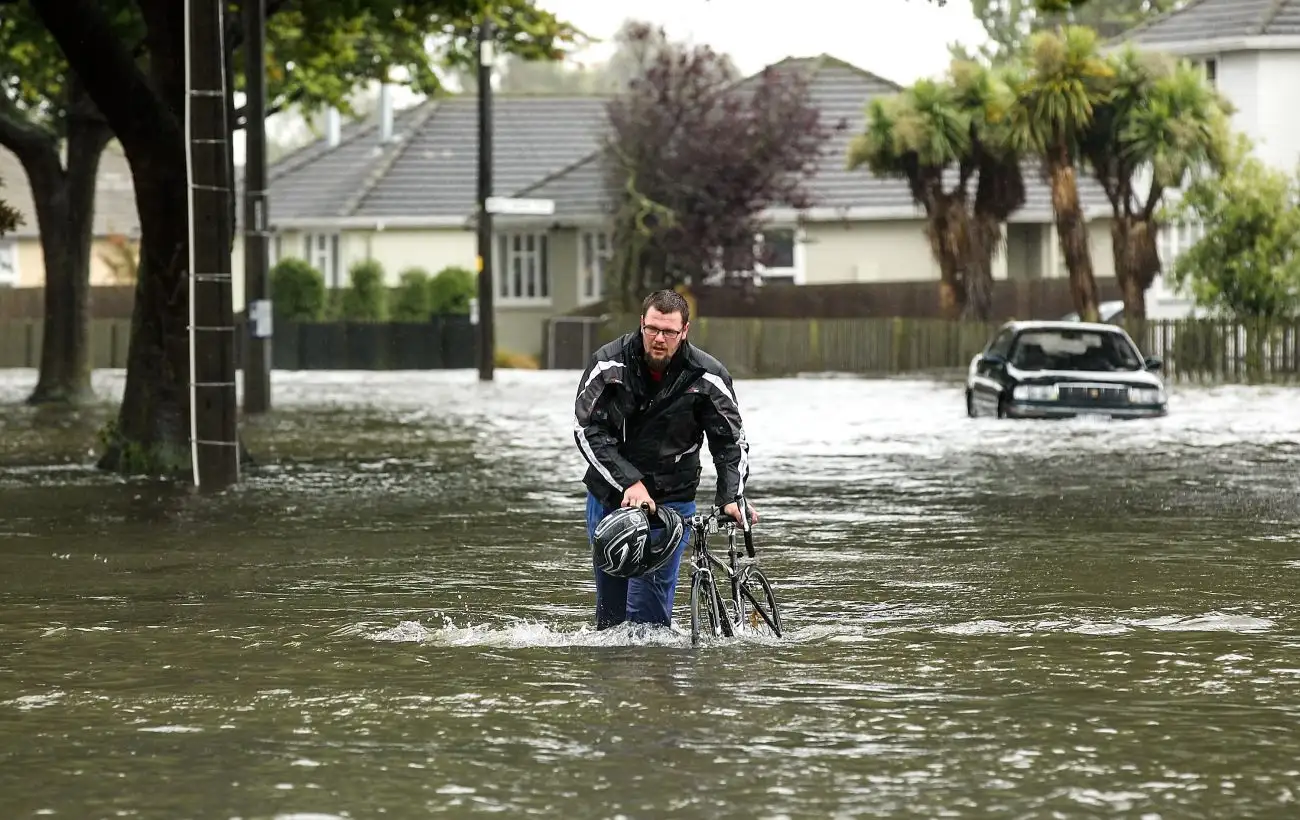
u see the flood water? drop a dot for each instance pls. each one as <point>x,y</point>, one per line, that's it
<point>392,616</point>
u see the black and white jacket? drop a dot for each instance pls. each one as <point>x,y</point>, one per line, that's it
<point>630,428</point>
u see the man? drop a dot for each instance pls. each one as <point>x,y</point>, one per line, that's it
<point>645,404</point>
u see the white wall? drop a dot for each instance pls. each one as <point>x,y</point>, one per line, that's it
<point>1278,113</point>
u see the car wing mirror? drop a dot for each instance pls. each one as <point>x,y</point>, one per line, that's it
<point>995,360</point>
<point>1153,362</point>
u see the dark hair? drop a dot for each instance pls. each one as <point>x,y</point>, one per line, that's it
<point>667,301</point>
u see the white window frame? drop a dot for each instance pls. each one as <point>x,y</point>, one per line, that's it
<point>1175,239</point>
<point>796,272</point>
<point>322,252</point>
<point>9,272</point>
<point>1210,70</point>
<point>595,254</point>
<point>521,269</point>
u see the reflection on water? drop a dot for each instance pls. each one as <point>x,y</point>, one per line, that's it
<point>392,616</point>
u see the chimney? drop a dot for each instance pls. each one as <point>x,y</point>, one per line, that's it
<point>385,113</point>
<point>333,127</point>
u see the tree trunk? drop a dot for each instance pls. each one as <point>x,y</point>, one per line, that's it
<point>1073,233</point>
<point>986,238</point>
<point>948,230</point>
<point>65,210</point>
<point>151,432</point>
<point>1137,262</point>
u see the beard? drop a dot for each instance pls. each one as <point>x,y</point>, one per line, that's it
<point>658,361</point>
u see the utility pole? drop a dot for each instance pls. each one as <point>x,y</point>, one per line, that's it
<point>257,285</point>
<point>213,406</point>
<point>486,314</point>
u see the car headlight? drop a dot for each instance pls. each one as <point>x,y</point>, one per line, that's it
<point>1146,395</point>
<point>1036,392</point>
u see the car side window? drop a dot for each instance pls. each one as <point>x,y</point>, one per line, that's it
<point>1002,344</point>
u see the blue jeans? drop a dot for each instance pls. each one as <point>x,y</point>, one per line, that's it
<point>644,600</point>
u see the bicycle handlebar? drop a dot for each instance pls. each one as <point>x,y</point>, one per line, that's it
<point>716,518</point>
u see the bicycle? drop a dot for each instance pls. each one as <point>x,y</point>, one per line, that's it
<point>743,576</point>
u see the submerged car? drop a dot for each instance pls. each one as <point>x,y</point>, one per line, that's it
<point>1062,369</point>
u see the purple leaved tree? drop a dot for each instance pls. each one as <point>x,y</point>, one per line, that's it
<point>693,157</point>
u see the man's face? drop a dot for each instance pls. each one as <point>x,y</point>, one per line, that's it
<point>663,334</point>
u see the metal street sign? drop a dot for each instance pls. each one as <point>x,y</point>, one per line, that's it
<point>520,207</point>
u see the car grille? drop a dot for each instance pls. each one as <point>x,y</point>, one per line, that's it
<point>1094,395</point>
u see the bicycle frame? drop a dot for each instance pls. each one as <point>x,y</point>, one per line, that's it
<point>738,569</point>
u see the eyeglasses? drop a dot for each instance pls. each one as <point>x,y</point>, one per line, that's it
<point>652,332</point>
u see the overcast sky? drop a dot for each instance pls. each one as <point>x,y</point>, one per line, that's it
<point>900,40</point>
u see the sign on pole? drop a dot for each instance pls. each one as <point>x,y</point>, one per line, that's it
<point>520,207</point>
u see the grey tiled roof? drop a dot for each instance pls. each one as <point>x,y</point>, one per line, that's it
<point>320,180</point>
<point>532,137</point>
<point>115,211</point>
<point>842,92</point>
<point>548,147</point>
<point>1218,19</point>
<point>430,167</point>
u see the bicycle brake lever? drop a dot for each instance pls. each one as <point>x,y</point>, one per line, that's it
<point>743,510</point>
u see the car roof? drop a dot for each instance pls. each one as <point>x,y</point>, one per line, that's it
<point>1061,324</point>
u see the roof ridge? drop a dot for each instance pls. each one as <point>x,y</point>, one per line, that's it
<point>818,62</point>
<point>1146,24</point>
<point>857,69</point>
<point>287,165</point>
<point>1267,18</point>
<point>381,169</point>
<point>556,174</point>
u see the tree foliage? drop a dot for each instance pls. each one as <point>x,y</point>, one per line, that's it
<point>1247,263</point>
<point>1010,23</point>
<point>1161,126</point>
<point>318,54</point>
<point>693,158</point>
<point>9,218</point>
<point>949,139</point>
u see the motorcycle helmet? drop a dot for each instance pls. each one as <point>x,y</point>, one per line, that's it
<point>630,541</point>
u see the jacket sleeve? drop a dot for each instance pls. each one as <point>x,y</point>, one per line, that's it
<point>726,434</point>
<point>594,430</point>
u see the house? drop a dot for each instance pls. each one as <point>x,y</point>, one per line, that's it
<point>22,262</point>
<point>400,189</point>
<point>1250,50</point>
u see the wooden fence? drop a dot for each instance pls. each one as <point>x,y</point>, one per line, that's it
<point>1192,350</point>
<point>1012,298</point>
<point>448,342</point>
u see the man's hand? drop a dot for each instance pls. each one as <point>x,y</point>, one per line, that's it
<point>636,495</point>
<point>734,511</point>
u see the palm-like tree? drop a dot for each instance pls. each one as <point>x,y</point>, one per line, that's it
<point>1058,89</point>
<point>1163,124</point>
<point>985,97</point>
<point>922,135</point>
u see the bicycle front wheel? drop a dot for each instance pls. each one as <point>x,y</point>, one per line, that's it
<point>756,604</point>
<point>706,617</point>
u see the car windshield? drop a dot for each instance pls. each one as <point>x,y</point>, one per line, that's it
<point>1092,350</point>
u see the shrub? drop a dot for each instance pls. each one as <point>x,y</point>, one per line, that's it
<point>451,290</point>
<point>506,360</point>
<point>365,299</point>
<point>297,291</point>
<point>413,297</point>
